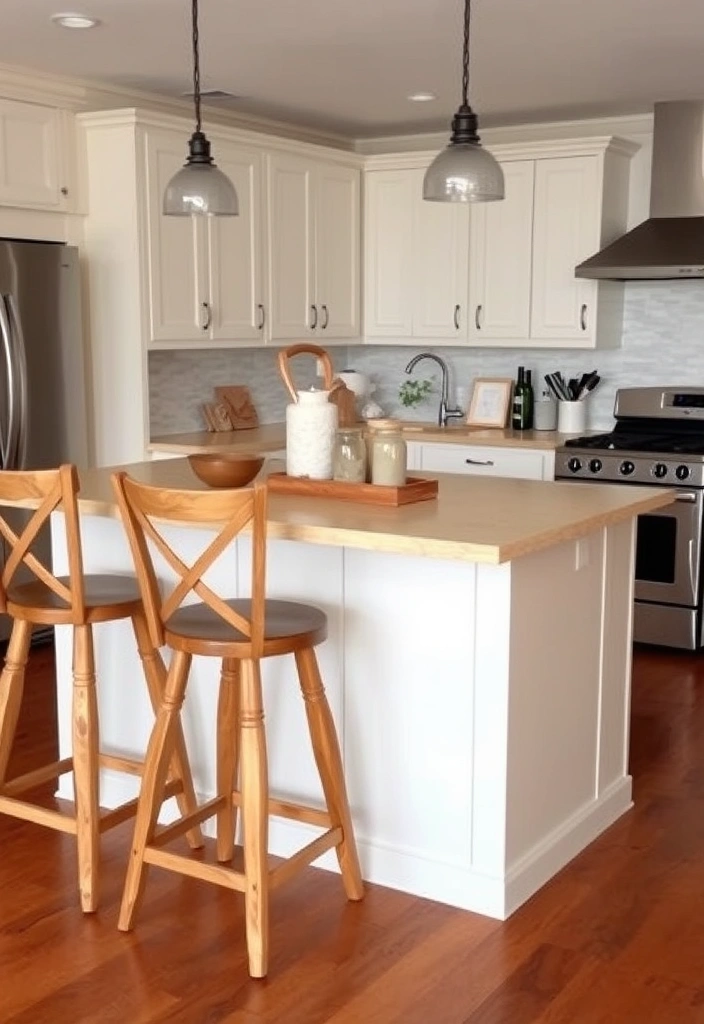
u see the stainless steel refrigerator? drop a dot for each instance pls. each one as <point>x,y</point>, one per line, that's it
<point>42,376</point>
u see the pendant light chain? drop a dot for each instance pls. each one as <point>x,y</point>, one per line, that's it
<point>196,66</point>
<point>465,55</point>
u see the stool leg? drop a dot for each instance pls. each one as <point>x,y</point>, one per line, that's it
<point>155,675</point>
<point>255,820</point>
<point>159,754</point>
<point>85,766</point>
<point>327,757</point>
<point>228,755</point>
<point>11,687</point>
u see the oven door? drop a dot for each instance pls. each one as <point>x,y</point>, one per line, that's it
<point>668,552</point>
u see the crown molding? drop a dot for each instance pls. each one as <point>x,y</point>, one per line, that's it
<point>632,125</point>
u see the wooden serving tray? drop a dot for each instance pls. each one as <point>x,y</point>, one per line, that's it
<point>415,489</point>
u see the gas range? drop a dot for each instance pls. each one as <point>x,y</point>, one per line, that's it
<point>658,439</point>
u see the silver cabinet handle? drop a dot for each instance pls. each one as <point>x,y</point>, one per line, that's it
<point>476,462</point>
<point>477,318</point>
<point>207,309</point>
<point>583,316</point>
<point>326,321</point>
<point>314,311</point>
<point>456,317</point>
<point>262,316</point>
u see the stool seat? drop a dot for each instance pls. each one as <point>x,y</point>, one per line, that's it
<point>106,596</point>
<point>288,627</point>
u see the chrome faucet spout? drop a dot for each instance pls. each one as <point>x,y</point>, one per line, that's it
<point>444,412</point>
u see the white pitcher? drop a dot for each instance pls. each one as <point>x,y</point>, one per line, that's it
<point>311,419</point>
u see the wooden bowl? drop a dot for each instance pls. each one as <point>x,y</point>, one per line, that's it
<point>226,469</point>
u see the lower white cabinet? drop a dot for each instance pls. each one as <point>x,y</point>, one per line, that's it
<point>521,463</point>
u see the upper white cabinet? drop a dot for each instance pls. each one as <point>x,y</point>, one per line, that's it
<point>314,228</point>
<point>415,275</point>
<point>501,259</point>
<point>33,156</point>
<point>205,276</point>
<point>498,274</point>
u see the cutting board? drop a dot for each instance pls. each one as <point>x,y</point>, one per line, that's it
<point>241,411</point>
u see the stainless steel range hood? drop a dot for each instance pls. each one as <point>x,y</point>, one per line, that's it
<point>670,244</point>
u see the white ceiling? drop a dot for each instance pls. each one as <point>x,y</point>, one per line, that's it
<point>348,65</point>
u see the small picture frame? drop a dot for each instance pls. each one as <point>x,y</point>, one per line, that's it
<point>491,398</point>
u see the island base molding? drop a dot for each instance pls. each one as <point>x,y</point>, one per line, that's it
<point>482,709</point>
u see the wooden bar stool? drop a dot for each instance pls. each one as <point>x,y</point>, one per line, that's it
<point>240,632</point>
<point>79,601</point>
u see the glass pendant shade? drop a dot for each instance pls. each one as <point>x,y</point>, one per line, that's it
<point>464,173</point>
<point>200,189</point>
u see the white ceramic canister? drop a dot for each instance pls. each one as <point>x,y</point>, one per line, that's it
<point>311,420</point>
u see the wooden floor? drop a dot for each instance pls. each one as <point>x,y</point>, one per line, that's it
<point>617,938</point>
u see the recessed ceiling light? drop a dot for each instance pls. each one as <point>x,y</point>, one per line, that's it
<point>422,97</point>
<point>72,20</point>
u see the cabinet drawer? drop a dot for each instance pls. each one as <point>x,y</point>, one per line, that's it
<point>457,458</point>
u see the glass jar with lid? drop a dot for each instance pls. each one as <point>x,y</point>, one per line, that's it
<point>349,456</point>
<point>387,453</point>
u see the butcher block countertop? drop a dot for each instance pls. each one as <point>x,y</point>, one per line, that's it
<point>272,437</point>
<point>475,519</point>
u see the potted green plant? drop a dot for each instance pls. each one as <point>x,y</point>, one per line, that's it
<point>414,392</point>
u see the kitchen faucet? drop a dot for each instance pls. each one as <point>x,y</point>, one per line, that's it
<point>444,413</point>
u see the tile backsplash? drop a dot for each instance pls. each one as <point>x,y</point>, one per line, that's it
<point>663,343</point>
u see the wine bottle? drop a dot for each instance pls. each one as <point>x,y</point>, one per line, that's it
<point>528,402</point>
<point>518,398</point>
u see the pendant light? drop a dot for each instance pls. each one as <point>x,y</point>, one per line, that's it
<point>199,187</point>
<point>464,172</point>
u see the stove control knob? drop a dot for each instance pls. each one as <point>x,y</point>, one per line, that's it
<point>595,465</point>
<point>574,465</point>
<point>659,470</point>
<point>682,472</point>
<point>626,468</point>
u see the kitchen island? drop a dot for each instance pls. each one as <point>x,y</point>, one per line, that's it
<point>478,669</point>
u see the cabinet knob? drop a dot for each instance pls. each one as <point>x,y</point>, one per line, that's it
<point>208,316</point>
<point>326,321</point>
<point>262,316</point>
<point>456,317</point>
<point>583,316</point>
<point>64,190</point>
<point>314,321</point>
<point>478,318</point>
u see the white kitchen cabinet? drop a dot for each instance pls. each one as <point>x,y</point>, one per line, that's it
<point>205,279</point>
<point>33,156</point>
<point>482,460</point>
<point>314,229</point>
<point>501,259</point>
<point>416,256</point>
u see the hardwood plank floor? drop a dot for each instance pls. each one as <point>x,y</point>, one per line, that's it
<point>616,938</point>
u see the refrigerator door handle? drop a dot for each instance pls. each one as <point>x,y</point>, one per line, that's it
<point>20,374</point>
<point>8,441</point>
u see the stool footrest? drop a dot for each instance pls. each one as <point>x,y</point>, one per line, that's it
<point>221,875</point>
<point>109,819</point>
<point>169,832</point>
<point>38,815</point>
<point>304,856</point>
<point>37,777</point>
<point>128,765</point>
<point>297,812</point>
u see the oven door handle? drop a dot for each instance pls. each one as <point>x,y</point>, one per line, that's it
<point>689,496</point>
<point>690,563</point>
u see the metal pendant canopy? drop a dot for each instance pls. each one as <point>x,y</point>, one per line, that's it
<point>199,187</point>
<point>464,172</point>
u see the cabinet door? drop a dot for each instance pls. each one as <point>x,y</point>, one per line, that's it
<point>566,229</point>
<point>525,464</point>
<point>290,250</point>
<point>440,246</point>
<point>235,252</point>
<point>337,223</point>
<point>30,157</point>
<point>388,251</point>
<point>500,256</point>
<point>177,272</point>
